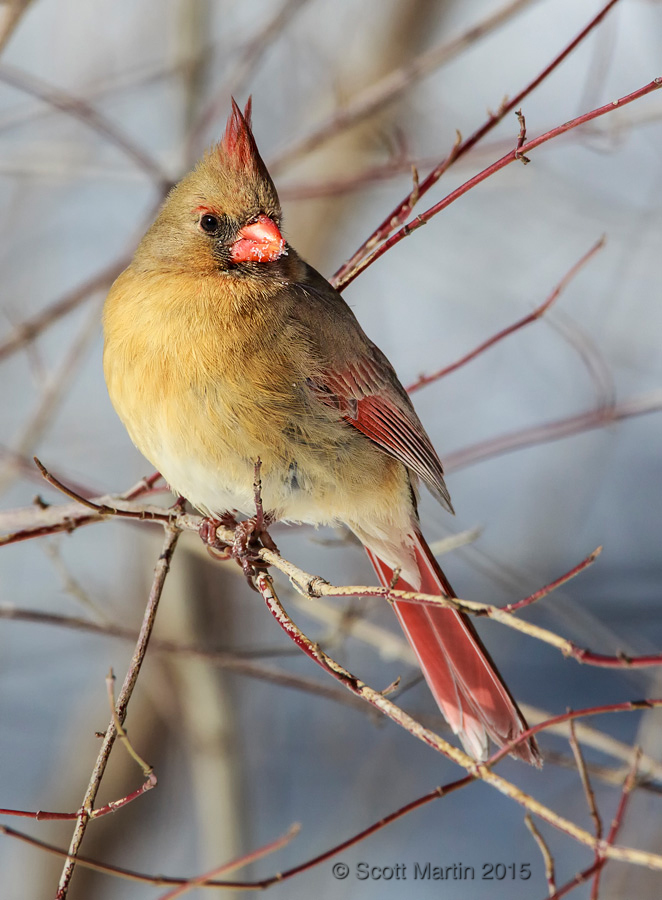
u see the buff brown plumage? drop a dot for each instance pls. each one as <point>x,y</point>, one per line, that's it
<point>222,346</point>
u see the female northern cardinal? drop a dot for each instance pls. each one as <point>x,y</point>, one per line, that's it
<point>222,346</point>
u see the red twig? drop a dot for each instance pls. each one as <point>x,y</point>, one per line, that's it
<point>628,786</point>
<point>553,585</point>
<point>435,794</point>
<point>208,881</point>
<point>537,313</point>
<point>587,712</point>
<point>424,217</point>
<point>349,270</point>
<point>245,860</point>
<point>42,815</point>
<point>617,821</point>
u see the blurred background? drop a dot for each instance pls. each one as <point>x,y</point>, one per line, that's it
<point>102,106</point>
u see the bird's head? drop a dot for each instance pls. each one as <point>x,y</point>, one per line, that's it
<point>224,216</point>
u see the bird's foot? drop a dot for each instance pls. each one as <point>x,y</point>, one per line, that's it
<point>250,536</point>
<point>208,527</point>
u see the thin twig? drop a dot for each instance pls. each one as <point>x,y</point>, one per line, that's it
<point>557,429</point>
<point>239,863</point>
<point>424,217</point>
<point>596,867</point>
<point>537,313</point>
<point>11,17</point>
<point>628,786</point>
<point>480,771</point>
<point>53,394</point>
<point>553,585</point>
<point>369,100</point>
<point>160,573</point>
<point>243,68</point>
<point>586,784</point>
<point>148,770</point>
<point>31,328</point>
<point>99,812</point>
<point>548,859</point>
<point>348,270</point>
<point>101,508</point>
<point>521,138</point>
<point>83,111</point>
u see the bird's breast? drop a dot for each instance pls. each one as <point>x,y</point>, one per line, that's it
<point>203,397</point>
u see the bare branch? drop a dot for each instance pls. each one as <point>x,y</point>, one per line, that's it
<point>368,101</point>
<point>160,573</point>
<point>348,271</point>
<point>80,109</point>
<point>548,859</point>
<point>480,771</point>
<point>537,313</point>
<point>424,218</point>
<point>243,68</point>
<point>643,405</point>
<point>30,329</point>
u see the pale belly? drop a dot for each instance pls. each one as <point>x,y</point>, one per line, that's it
<point>225,483</point>
<point>315,469</point>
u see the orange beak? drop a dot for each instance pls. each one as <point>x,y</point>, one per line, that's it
<point>259,242</point>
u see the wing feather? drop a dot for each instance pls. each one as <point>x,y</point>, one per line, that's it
<point>371,399</point>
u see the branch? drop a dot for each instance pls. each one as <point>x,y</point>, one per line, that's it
<point>628,786</point>
<point>348,271</point>
<point>160,573</point>
<point>80,109</point>
<point>289,873</point>
<point>245,860</point>
<point>11,19</point>
<point>590,419</point>
<point>586,785</point>
<point>315,586</point>
<point>547,857</point>
<point>31,328</point>
<point>52,396</point>
<point>244,68</point>
<point>597,866</point>
<point>537,313</point>
<point>512,156</point>
<point>480,771</point>
<point>366,102</point>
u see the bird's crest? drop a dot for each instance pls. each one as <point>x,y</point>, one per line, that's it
<point>237,146</point>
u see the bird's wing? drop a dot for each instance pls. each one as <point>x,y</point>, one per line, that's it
<point>369,397</point>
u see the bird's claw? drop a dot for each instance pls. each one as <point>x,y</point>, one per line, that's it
<point>250,536</point>
<point>208,527</point>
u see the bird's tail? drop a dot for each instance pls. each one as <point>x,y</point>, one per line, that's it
<point>465,682</point>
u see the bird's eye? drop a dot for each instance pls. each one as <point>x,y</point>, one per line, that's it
<point>209,223</point>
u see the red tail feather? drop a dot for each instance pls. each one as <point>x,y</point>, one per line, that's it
<point>457,667</point>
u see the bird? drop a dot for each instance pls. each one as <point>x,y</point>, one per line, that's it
<point>223,347</point>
